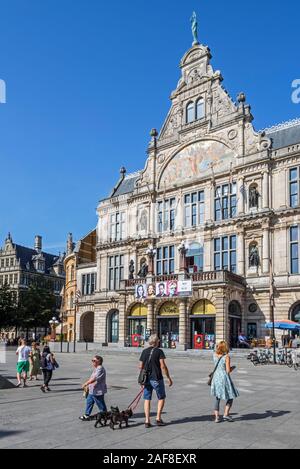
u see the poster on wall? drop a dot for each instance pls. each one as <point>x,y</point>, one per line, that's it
<point>185,288</point>
<point>141,292</point>
<point>174,289</point>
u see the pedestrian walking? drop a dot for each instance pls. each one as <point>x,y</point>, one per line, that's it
<point>23,353</point>
<point>222,387</point>
<point>96,389</point>
<point>35,362</point>
<point>152,361</point>
<point>48,365</point>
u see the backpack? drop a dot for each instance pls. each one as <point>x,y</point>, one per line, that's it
<point>44,361</point>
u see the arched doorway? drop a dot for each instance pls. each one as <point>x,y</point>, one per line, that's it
<point>113,327</point>
<point>235,323</point>
<point>295,313</point>
<point>203,325</point>
<point>138,325</point>
<point>87,327</point>
<point>168,325</point>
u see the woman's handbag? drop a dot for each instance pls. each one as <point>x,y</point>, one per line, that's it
<point>211,376</point>
<point>144,374</point>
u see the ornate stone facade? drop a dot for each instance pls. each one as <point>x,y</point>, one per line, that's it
<point>224,190</point>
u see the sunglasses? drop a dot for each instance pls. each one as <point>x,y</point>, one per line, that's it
<point>94,361</point>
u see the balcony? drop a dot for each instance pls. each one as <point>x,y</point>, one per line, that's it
<point>200,278</point>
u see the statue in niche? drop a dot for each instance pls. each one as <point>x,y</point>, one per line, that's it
<point>254,256</point>
<point>253,197</point>
<point>131,270</point>
<point>144,269</point>
<point>144,221</point>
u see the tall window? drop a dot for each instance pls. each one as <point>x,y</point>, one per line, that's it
<point>194,209</point>
<point>165,264</point>
<point>117,226</point>
<point>294,187</point>
<point>166,215</point>
<point>116,272</point>
<point>225,202</point>
<point>225,253</point>
<point>200,109</point>
<point>190,113</point>
<point>89,284</point>
<point>294,249</point>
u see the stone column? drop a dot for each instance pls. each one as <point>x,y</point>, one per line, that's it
<point>207,253</point>
<point>150,317</point>
<point>241,194</point>
<point>265,195</point>
<point>266,250</point>
<point>180,215</point>
<point>182,325</point>
<point>122,323</point>
<point>241,253</point>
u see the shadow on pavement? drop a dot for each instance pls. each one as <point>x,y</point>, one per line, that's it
<point>4,434</point>
<point>247,417</point>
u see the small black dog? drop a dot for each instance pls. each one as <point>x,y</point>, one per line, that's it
<point>117,417</point>
<point>102,418</point>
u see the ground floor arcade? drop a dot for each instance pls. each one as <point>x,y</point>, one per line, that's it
<point>210,315</point>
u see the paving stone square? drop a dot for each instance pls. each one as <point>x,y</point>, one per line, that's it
<point>266,414</point>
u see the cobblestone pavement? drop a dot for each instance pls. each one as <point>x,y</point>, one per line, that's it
<point>266,415</point>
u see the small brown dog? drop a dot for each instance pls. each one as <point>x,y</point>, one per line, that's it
<point>117,417</point>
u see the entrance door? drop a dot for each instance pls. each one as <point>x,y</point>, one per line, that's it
<point>252,330</point>
<point>168,331</point>
<point>114,327</point>
<point>138,326</point>
<point>235,329</point>
<point>205,326</point>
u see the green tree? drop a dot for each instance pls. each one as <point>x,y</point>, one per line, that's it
<point>38,306</point>
<point>8,307</point>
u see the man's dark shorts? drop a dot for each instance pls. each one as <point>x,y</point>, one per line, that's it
<point>158,387</point>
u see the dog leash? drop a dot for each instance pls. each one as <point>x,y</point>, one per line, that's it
<point>136,401</point>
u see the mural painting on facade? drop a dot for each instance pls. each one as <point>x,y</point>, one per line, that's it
<point>195,161</point>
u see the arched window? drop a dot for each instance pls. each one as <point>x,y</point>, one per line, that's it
<point>200,109</point>
<point>190,113</point>
<point>295,313</point>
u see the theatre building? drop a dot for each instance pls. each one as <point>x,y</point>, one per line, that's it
<point>199,244</point>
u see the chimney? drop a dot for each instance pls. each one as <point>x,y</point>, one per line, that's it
<point>38,243</point>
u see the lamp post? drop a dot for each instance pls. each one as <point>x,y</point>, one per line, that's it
<point>53,325</point>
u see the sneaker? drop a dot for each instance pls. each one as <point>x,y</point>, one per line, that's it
<point>43,389</point>
<point>228,419</point>
<point>48,389</point>
<point>85,418</point>
<point>18,385</point>
<point>217,420</point>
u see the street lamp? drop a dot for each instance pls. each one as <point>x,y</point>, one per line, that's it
<point>53,325</point>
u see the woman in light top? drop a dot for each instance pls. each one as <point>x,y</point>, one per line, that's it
<point>222,387</point>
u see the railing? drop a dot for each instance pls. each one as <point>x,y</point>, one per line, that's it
<point>222,276</point>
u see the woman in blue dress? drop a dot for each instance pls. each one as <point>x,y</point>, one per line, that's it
<point>222,387</point>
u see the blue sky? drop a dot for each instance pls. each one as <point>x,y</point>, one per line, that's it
<point>87,80</point>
